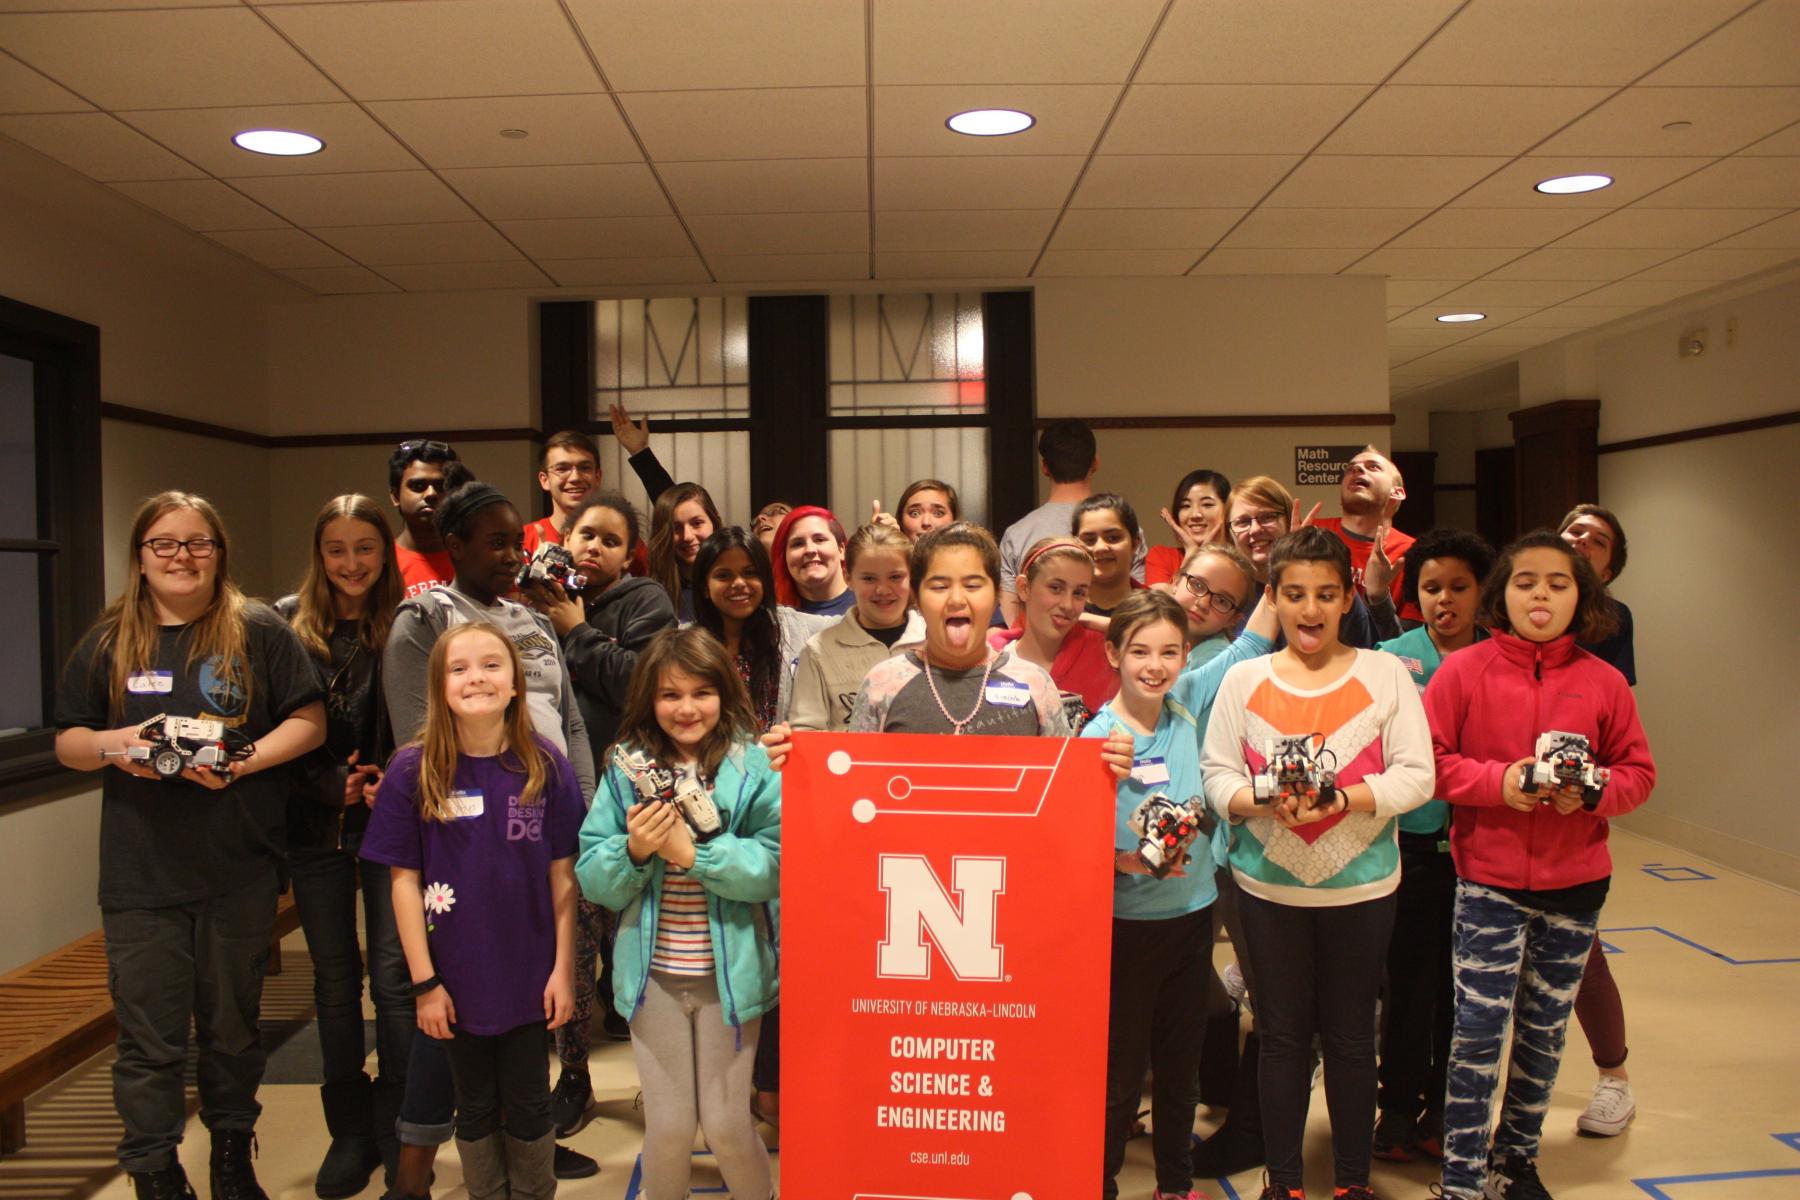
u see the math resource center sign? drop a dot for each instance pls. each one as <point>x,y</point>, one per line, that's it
<point>945,946</point>
<point>1318,466</point>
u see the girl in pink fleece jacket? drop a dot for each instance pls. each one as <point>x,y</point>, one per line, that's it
<point>1532,866</point>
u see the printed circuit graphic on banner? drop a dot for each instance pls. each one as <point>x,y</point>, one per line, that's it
<point>946,923</point>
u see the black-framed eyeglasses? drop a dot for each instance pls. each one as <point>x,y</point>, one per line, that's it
<point>427,448</point>
<point>1222,604</point>
<point>1263,520</point>
<point>201,547</point>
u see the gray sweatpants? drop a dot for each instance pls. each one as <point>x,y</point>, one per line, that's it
<point>695,1071</point>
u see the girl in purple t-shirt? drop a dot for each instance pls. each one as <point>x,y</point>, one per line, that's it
<point>479,821</point>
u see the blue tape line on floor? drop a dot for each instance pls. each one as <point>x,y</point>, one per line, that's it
<point>1671,874</point>
<point>1718,954</point>
<point>1655,1187</point>
<point>637,1179</point>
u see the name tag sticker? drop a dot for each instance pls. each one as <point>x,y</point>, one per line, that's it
<point>145,683</point>
<point>1150,771</point>
<point>1012,695</point>
<point>463,805</point>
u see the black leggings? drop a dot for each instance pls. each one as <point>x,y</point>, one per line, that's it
<point>1318,971</point>
<point>503,1072</point>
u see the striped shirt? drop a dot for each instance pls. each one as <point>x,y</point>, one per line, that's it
<point>683,938</point>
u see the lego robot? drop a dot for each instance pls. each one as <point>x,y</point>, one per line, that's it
<point>1566,760</point>
<point>1293,768</point>
<point>654,782</point>
<point>551,563</point>
<point>1166,829</point>
<point>177,743</point>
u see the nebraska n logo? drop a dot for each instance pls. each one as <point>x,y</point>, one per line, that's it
<point>965,930</point>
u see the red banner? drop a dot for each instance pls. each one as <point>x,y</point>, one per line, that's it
<point>946,927</point>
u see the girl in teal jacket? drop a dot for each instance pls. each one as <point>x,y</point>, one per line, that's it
<point>683,840</point>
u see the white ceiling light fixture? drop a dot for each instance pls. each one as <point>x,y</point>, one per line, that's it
<point>1461,318</point>
<point>1573,185</point>
<point>991,122</point>
<point>285,143</point>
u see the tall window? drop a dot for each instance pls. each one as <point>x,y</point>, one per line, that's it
<point>50,551</point>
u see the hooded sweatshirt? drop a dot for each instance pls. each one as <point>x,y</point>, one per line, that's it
<point>602,653</point>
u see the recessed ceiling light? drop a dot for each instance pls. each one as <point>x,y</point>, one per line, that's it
<point>1569,185</point>
<point>515,133</point>
<point>1461,318</point>
<point>991,122</point>
<point>284,142</point>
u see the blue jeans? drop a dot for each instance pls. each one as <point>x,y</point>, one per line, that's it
<point>1517,965</point>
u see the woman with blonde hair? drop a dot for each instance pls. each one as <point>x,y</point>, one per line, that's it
<point>190,864</point>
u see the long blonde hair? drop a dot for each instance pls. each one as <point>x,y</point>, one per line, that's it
<point>439,746</point>
<point>130,631</point>
<point>315,615</point>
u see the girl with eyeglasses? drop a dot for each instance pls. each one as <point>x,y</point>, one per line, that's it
<point>190,865</point>
<point>1261,510</point>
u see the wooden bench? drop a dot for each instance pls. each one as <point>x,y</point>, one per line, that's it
<point>56,1012</point>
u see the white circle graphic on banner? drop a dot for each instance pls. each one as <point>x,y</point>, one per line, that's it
<point>839,762</point>
<point>863,811</point>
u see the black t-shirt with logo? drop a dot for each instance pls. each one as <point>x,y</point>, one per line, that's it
<point>167,842</point>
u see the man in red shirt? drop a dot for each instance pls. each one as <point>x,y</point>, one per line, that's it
<point>417,486</point>
<point>570,470</point>
<point>1372,492</point>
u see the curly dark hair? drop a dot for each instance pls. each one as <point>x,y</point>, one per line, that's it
<point>1471,548</point>
<point>1595,618</point>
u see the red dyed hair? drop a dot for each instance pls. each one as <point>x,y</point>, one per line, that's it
<point>785,590</point>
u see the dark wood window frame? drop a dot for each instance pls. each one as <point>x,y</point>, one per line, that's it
<point>65,355</point>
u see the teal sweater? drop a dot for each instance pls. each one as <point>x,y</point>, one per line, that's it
<point>740,869</point>
<point>1419,654</point>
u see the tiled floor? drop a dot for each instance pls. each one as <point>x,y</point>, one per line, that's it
<point>1709,968</point>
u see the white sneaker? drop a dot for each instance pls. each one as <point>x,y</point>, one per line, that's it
<point>1611,1109</point>
<point>1233,979</point>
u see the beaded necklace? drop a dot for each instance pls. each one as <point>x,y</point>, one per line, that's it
<point>957,726</point>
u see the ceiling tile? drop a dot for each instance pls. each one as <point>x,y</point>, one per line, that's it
<point>1459,120</point>
<point>966,264</point>
<point>618,272</point>
<point>1508,337</point>
<point>97,145</point>
<point>1785,143</point>
<point>1398,310</point>
<point>1720,263</point>
<point>1498,294</point>
<point>1757,48</point>
<point>781,233</point>
<point>1463,355</point>
<point>1227,260</point>
<point>768,123</point>
<point>1311,41</point>
<point>685,44</point>
<point>1418,291</point>
<point>1524,228</point>
<point>1555,42</point>
<point>1433,264</point>
<point>600,237</point>
<point>466,133</point>
<point>910,120</point>
<point>1737,183</point>
<point>1420,335</point>
<point>1301,228</point>
<point>934,183</point>
<point>1202,118</point>
<point>1641,292</point>
<point>1114,262</point>
<point>1725,120</point>
<point>1674,228</point>
<point>928,41</point>
<point>467,277</point>
<point>524,193</point>
<point>1379,181</point>
<point>411,245</point>
<point>1781,232</point>
<point>203,204</point>
<point>1189,229</point>
<point>790,268</point>
<point>1565,316</point>
<point>900,234</point>
<point>441,48</point>
<point>282,248</point>
<point>1180,180</point>
<point>341,280</point>
<point>95,5</point>
<point>23,90</point>
<point>352,141</point>
<point>1578,263</point>
<point>166,58</point>
<point>1633,178</point>
<point>1427,316</point>
<point>383,198</point>
<point>768,185</point>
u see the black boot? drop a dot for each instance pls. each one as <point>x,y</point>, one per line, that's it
<point>1238,1144</point>
<point>352,1157</point>
<point>385,1103</point>
<point>233,1175</point>
<point>170,1183</point>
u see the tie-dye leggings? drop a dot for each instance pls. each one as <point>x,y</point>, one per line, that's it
<point>1515,964</point>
